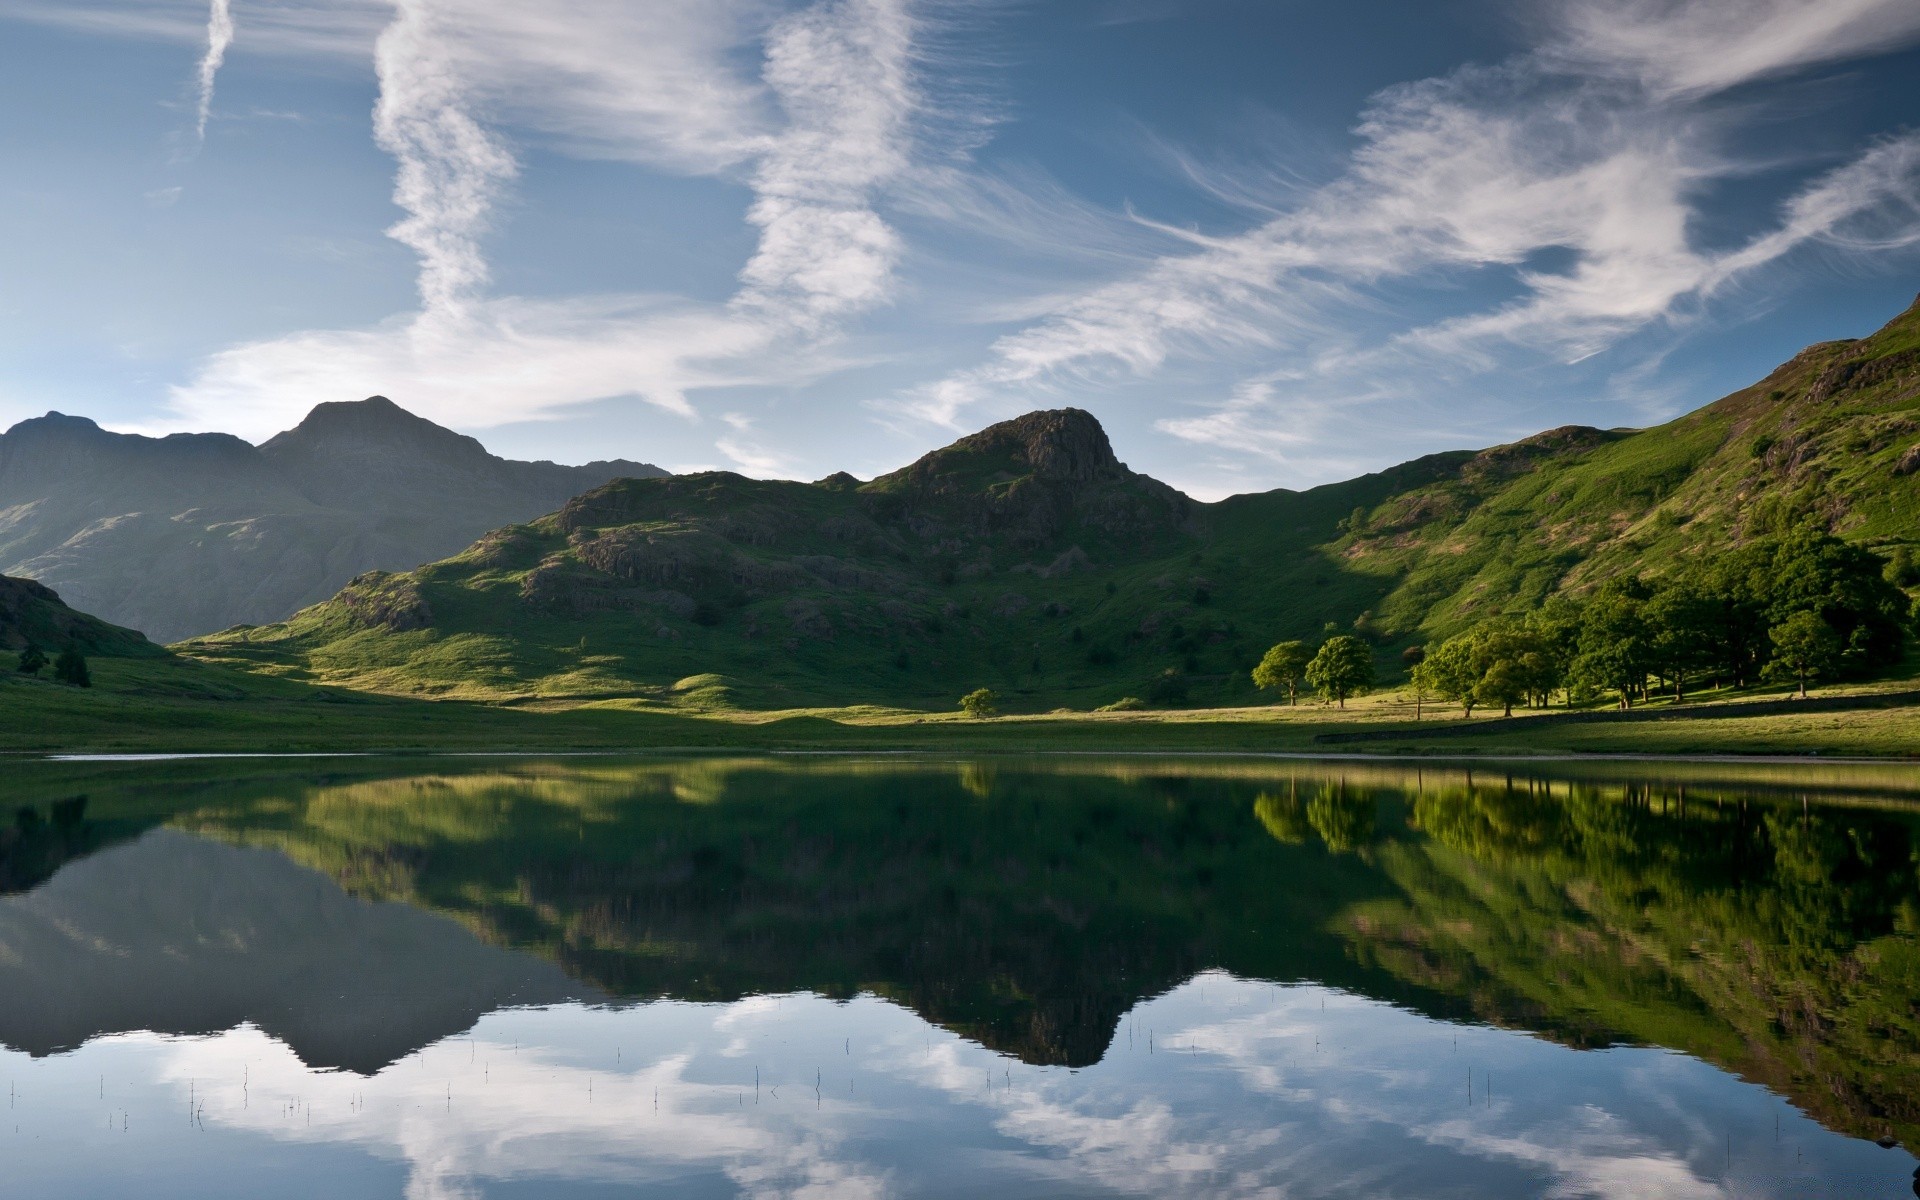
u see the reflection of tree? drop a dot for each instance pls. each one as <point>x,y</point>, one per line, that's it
<point>1341,818</point>
<point>1029,917</point>
<point>1030,912</point>
<point>33,846</point>
<point>1344,821</point>
<point>1777,941</point>
<point>1283,817</point>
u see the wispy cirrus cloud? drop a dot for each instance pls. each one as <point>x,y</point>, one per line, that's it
<point>1693,47</point>
<point>827,123</point>
<point>1575,175</point>
<point>219,38</point>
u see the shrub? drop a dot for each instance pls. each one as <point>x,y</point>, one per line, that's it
<point>1123,704</point>
<point>981,702</point>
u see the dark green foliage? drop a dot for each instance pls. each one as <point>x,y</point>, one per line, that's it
<point>1804,647</point>
<point>1723,619</point>
<point>1901,570</point>
<point>71,668</point>
<point>1168,689</point>
<point>32,659</point>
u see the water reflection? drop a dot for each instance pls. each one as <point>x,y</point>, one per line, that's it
<point>1129,977</point>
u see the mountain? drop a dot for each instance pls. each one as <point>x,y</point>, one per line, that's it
<point>1028,558</point>
<point>192,533</point>
<point>31,612</point>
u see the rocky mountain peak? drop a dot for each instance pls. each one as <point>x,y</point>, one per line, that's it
<point>375,424</point>
<point>1063,445</point>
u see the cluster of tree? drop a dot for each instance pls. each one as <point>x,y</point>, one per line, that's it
<point>69,666</point>
<point>1794,608</point>
<point>1341,667</point>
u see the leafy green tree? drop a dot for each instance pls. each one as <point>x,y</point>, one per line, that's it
<point>1505,682</point>
<point>1616,643</point>
<point>1280,667</point>
<point>1901,570</point>
<point>981,702</point>
<point>1809,570</point>
<point>1682,620</point>
<point>32,659</point>
<point>1805,647</point>
<point>71,667</point>
<point>1448,671</point>
<point>1342,668</point>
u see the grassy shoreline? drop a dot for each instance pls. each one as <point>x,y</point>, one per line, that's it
<point>182,706</point>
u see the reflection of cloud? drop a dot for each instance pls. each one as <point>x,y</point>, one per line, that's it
<point>1252,1089</point>
<point>465,1111</point>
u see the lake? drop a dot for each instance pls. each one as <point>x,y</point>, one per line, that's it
<point>814,976</point>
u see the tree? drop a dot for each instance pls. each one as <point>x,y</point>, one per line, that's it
<point>1342,668</point>
<point>1413,657</point>
<point>32,659</point>
<point>981,702</point>
<point>1506,681</point>
<point>1448,671</point>
<point>71,667</point>
<point>1682,621</point>
<point>1280,667</point>
<point>1804,647</point>
<point>1616,645</point>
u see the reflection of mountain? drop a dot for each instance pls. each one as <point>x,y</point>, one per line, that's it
<point>1030,907</point>
<point>176,934</point>
<point>1029,912</point>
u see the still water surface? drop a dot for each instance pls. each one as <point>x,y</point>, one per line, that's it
<point>836,977</point>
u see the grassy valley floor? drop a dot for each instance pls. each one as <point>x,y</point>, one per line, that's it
<point>174,705</point>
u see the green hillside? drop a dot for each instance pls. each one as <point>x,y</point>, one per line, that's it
<point>1027,558</point>
<point>33,614</point>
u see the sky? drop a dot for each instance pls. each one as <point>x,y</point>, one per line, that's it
<point>1269,243</point>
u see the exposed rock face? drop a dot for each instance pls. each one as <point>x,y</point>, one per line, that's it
<point>1031,479</point>
<point>1065,444</point>
<point>191,533</point>
<point>378,600</point>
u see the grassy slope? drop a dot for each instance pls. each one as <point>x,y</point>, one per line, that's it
<point>888,612</point>
<point>180,705</point>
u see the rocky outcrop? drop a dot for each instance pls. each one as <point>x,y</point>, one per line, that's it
<point>378,600</point>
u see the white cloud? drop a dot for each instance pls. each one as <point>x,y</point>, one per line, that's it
<point>1692,47</point>
<point>219,37</point>
<point>827,125</point>
<point>340,29</point>
<point>1551,177</point>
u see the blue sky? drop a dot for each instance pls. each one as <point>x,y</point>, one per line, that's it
<point>1268,242</point>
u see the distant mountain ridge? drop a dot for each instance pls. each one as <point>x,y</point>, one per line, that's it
<point>1028,558</point>
<point>192,533</point>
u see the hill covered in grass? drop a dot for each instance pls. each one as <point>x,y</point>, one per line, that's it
<point>32,614</point>
<point>1028,558</point>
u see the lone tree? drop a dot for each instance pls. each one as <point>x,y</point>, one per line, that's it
<point>32,659</point>
<point>1344,667</point>
<point>71,667</point>
<point>981,702</point>
<point>1804,647</point>
<point>1280,667</point>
